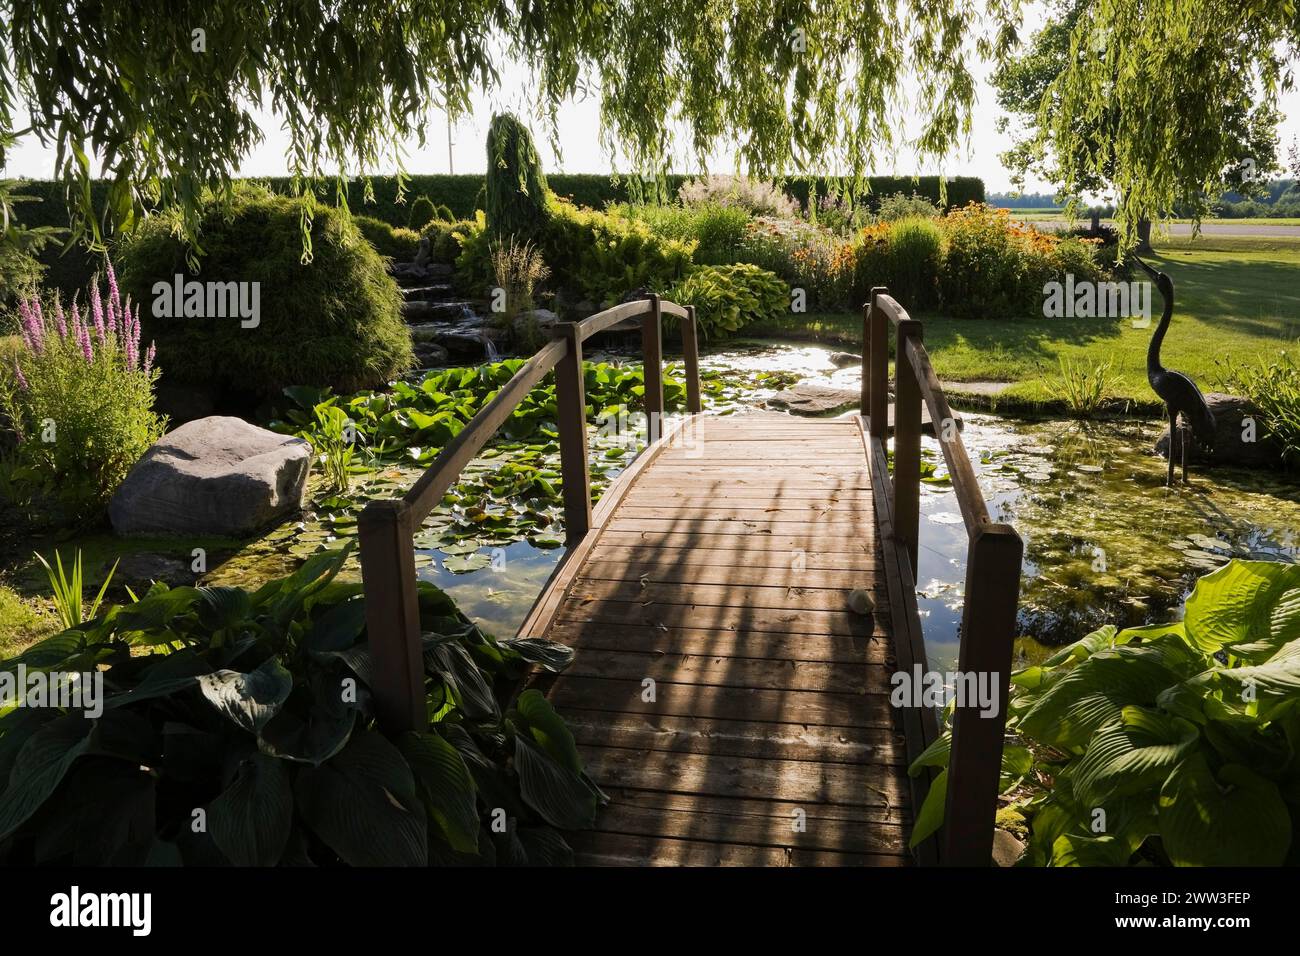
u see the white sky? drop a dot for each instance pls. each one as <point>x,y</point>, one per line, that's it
<point>579,132</point>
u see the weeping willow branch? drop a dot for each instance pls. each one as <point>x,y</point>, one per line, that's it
<point>161,91</point>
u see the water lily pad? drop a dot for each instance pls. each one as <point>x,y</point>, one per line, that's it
<point>463,564</point>
<point>945,517</point>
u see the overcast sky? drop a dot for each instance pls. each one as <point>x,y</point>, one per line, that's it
<point>579,134</point>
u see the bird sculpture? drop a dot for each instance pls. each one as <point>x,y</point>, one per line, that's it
<point>1181,396</point>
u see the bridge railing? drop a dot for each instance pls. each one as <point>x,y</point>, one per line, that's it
<point>993,560</point>
<point>386,527</point>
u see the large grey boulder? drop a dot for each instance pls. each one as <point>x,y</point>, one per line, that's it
<point>214,476</point>
<point>1238,436</point>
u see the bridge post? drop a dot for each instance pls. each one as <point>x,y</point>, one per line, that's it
<point>875,367</point>
<point>652,350</point>
<point>571,422</point>
<point>907,443</point>
<point>691,358</point>
<point>988,626</point>
<point>393,615</point>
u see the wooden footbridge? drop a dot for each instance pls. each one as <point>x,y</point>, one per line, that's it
<point>726,691</point>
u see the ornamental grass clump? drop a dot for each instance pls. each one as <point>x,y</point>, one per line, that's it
<point>81,404</point>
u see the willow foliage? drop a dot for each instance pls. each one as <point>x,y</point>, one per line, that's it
<point>794,84</point>
<point>1168,83</point>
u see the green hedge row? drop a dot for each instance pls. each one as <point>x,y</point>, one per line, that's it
<point>461,193</point>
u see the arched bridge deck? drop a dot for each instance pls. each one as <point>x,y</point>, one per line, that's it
<point>724,692</point>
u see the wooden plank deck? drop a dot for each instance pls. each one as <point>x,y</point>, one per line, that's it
<point>721,573</point>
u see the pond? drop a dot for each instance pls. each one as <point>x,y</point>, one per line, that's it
<point>1105,541</point>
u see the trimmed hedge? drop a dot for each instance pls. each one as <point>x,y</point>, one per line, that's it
<point>335,322</point>
<point>961,189</point>
<point>460,193</point>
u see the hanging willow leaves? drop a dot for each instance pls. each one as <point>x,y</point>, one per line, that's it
<point>1157,96</point>
<point>166,100</point>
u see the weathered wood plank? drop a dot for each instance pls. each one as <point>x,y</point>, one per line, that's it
<point>703,558</point>
<point>786,544</point>
<point>650,592</point>
<point>743,672</point>
<point>603,849</point>
<point>738,738</point>
<point>799,781</point>
<point>749,823</point>
<point>729,703</point>
<point>876,649</point>
<point>724,618</point>
<point>794,573</point>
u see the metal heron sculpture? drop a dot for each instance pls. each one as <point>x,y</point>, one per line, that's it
<point>1181,396</point>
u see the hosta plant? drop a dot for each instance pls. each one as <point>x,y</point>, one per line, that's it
<point>727,298</point>
<point>1166,744</point>
<point>237,728</point>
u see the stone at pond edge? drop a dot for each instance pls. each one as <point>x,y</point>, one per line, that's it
<point>1230,413</point>
<point>214,476</point>
<point>810,398</point>
<point>845,359</point>
<point>1006,848</point>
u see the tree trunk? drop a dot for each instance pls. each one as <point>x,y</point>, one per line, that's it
<point>1144,236</point>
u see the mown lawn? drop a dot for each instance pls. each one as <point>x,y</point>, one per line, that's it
<point>1236,298</point>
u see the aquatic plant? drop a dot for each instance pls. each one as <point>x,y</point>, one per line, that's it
<point>1166,743</point>
<point>1274,388</point>
<point>1081,386</point>
<point>67,589</point>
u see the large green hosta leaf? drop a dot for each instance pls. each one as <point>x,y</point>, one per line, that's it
<point>1234,604</point>
<point>1133,756</point>
<point>560,796</point>
<point>39,768</point>
<point>1236,818</point>
<point>1279,676</point>
<point>1283,628</point>
<point>1095,693</point>
<point>250,700</point>
<point>251,819</point>
<point>364,806</point>
<point>446,786</point>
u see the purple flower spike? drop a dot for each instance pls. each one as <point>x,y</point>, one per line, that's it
<point>113,294</point>
<point>148,358</point>
<point>22,379</point>
<point>86,349</point>
<point>59,322</point>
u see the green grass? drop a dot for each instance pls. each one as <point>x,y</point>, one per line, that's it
<point>1235,297</point>
<point>22,622</point>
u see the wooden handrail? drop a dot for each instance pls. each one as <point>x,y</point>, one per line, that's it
<point>427,492</point>
<point>386,527</point>
<point>993,561</point>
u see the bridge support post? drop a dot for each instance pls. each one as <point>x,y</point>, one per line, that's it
<point>907,444</point>
<point>691,358</point>
<point>988,626</point>
<point>875,367</point>
<point>393,615</point>
<point>652,350</point>
<point>571,421</point>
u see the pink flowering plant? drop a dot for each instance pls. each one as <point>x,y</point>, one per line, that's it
<point>81,398</point>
